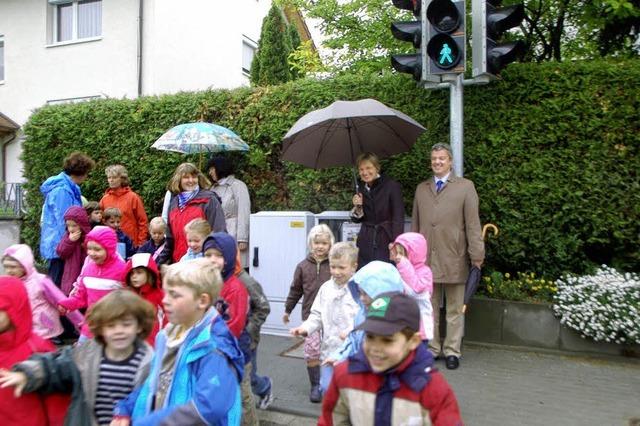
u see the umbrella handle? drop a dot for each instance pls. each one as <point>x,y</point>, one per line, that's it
<point>464,308</point>
<point>488,226</point>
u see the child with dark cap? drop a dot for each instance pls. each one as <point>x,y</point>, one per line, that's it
<point>392,371</point>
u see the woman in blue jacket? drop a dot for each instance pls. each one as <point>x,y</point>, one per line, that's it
<point>60,192</point>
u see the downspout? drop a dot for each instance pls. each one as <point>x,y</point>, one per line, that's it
<point>4,155</point>
<point>140,14</point>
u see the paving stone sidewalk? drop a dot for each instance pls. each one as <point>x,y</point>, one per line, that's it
<point>494,386</point>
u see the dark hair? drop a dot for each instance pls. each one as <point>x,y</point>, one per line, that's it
<point>117,305</point>
<point>223,165</point>
<point>78,164</point>
<point>408,332</point>
<point>110,212</point>
<point>92,206</point>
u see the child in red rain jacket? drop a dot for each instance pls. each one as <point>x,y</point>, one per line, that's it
<point>17,343</point>
<point>142,277</point>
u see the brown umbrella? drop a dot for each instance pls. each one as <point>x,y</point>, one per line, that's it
<point>337,134</point>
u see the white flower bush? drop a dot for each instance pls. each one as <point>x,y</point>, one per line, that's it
<point>604,306</point>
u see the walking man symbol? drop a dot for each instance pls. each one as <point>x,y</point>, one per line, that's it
<point>445,55</point>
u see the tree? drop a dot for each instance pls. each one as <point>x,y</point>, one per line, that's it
<point>294,44</point>
<point>270,64</point>
<point>358,38</point>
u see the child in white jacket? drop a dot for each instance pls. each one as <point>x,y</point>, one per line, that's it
<point>334,308</point>
<point>409,252</point>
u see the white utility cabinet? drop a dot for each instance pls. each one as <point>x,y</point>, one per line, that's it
<point>278,243</point>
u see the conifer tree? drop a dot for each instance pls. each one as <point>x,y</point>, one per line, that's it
<point>270,64</point>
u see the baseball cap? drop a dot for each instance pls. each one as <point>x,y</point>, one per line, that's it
<point>390,313</point>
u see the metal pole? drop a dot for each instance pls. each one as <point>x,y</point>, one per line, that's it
<point>456,131</point>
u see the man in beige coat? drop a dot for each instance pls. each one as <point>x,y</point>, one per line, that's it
<point>445,211</point>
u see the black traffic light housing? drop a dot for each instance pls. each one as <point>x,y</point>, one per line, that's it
<point>490,22</point>
<point>445,36</point>
<point>410,31</point>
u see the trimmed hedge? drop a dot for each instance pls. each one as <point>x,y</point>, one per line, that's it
<point>552,149</point>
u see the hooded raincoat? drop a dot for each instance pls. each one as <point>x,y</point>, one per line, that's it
<point>233,293</point>
<point>375,278</point>
<point>73,252</point>
<point>417,277</point>
<point>96,281</point>
<point>17,344</point>
<point>43,294</point>
<point>59,193</point>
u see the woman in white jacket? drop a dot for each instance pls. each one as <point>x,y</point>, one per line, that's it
<point>235,200</point>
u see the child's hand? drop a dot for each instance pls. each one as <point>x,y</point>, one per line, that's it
<point>12,378</point>
<point>329,361</point>
<point>298,331</point>
<point>75,235</point>
<point>343,335</point>
<point>62,310</point>
<point>285,319</point>
<point>120,421</point>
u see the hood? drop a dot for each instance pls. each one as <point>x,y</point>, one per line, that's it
<point>226,244</point>
<point>144,260</point>
<point>57,181</point>
<point>79,215</point>
<point>117,192</point>
<point>15,302</point>
<point>375,278</point>
<point>23,254</point>
<point>107,238</point>
<point>415,245</point>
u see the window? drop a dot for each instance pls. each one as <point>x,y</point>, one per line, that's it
<point>76,20</point>
<point>1,58</point>
<point>248,52</point>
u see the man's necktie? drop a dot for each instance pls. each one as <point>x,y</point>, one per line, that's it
<point>439,185</point>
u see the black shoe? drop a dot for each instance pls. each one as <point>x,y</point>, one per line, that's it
<point>452,362</point>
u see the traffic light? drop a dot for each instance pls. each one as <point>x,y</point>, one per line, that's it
<point>409,31</point>
<point>490,22</point>
<point>445,36</point>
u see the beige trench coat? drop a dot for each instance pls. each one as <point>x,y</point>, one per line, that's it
<point>451,224</point>
<point>236,205</point>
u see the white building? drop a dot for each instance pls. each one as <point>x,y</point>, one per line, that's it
<point>54,51</point>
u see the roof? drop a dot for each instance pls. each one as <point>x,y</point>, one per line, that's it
<point>7,125</point>
<point>294,17</point>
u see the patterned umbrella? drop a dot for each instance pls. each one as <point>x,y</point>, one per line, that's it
<point>197,138</point>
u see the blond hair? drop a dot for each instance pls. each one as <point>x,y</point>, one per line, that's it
<point>185,169</point>
<point>318,231</point>
<point>344,250</point>
<point>199,275</point>
<point>158,221</point>
<point>110,212</point>
<point>118,170</point>
<point>118,305</point>
<point>370,157</point>
<point>198,226</point>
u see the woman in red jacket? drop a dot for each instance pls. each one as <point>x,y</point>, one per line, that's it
<point>189,200</point>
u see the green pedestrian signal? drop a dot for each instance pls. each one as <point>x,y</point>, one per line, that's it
<point>446,36</point>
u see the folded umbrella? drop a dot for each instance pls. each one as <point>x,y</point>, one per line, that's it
<point>471,285</point>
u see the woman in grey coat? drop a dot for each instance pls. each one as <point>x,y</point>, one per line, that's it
<point>235,200</point>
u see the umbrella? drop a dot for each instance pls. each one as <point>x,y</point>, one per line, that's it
<point>192,138</point>
<point>473,279</point>
<point>337,134</point>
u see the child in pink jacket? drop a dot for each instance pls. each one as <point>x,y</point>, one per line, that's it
<point>409,252</point>
<point>103,272</point>
<point>43,294</point>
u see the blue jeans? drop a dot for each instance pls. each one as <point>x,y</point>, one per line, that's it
<point>260,385</point>
<point>326,371</point>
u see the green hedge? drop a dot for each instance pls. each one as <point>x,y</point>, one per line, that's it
<point>552,149</point>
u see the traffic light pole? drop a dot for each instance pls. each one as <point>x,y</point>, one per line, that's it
<point>456,123</point>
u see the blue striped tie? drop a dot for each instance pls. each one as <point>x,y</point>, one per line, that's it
<point>439,185</point>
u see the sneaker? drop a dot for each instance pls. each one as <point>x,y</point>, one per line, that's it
<point>265,401</point>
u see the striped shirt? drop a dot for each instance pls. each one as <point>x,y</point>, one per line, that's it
<point>115,382</point>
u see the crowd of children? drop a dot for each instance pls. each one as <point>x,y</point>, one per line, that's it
<point>178,344</point>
